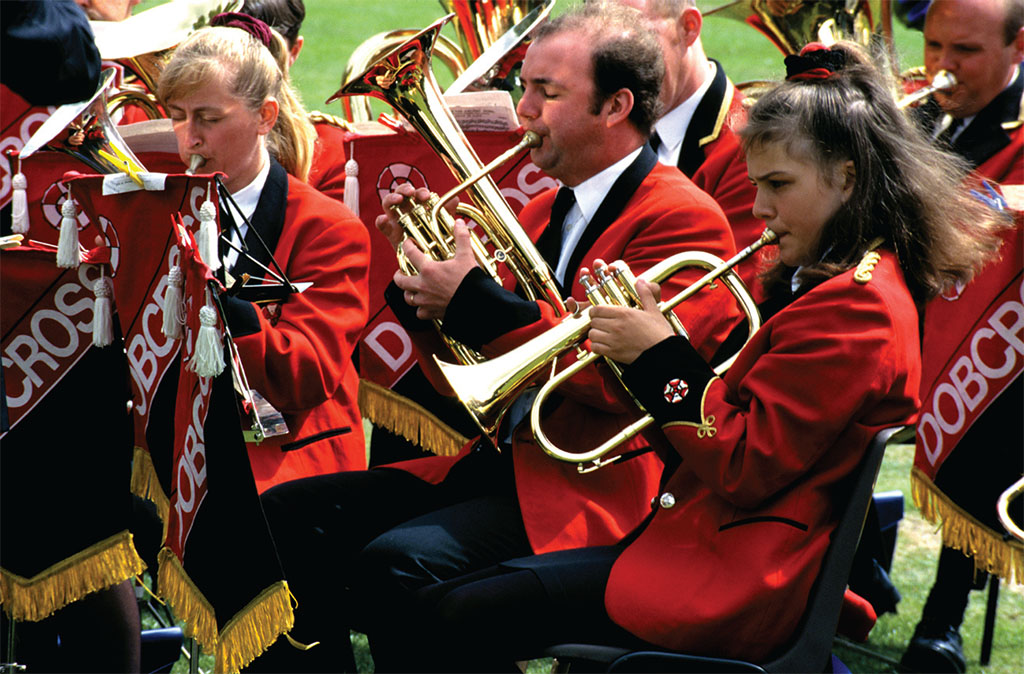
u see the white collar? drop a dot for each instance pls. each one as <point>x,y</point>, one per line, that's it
<point>673,125</point>
<point>589,195</point>
<point>592,191</point>
<point>249,196</point>
<point>246,200</point>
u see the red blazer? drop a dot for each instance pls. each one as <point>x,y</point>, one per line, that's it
<point>1007,165</point>
<point>726,564</point>
<point>561,509</point>
<point>297,354</point>
<point>327,173</point>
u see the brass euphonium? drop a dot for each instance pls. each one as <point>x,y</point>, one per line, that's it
<point>489,388</point>
<point>402,77</point>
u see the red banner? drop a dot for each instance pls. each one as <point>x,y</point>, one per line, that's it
<point>137,228</point>
<point>385,162</point>
<point>18,121</point>
<point>973,348</point>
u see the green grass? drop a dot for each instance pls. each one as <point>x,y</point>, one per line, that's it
<point>333,28</point>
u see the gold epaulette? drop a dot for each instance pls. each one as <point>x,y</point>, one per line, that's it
<point>1015,123</point>
<point>867,263</point>
<point>317,117</point>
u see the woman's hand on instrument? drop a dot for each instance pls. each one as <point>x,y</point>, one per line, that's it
<point>623,333</point>
<point>432,289</point>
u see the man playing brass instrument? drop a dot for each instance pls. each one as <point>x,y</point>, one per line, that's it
<point>981,43</point>
<point>355,546</point>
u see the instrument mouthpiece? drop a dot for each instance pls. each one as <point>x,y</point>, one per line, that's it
<point>943,80</point>
<point>194,163</point>
<point>531,139</point>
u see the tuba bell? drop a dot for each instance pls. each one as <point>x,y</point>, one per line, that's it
<point>478,24</point>
<point>488,389</point>
<point>402,77</point>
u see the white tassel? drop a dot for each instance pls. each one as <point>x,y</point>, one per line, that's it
<point>206,239</point>
<point>19,203</point>
<point>174,307</point>
<point>69,255</point>
<point>102,316</point>
<point>352,182</point>
<point>208,358</point>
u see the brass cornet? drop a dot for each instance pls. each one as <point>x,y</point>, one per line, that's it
<point>402,77</point>
<point>489,388</point>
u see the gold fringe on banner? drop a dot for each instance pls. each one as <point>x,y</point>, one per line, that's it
<point>187,602</point>
<point>146,485</point>
<point>1003,557</point>
<point>253,629</point>
<point>98,567</point>
<point>402,416</point>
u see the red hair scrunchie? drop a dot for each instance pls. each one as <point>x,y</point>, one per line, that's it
<point>250,24</point>
<point>814,62</point>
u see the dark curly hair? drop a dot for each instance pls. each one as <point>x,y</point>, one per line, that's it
<point>625,55</point>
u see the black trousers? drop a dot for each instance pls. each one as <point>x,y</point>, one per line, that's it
<point>486,620</point>
<point>356,546</point>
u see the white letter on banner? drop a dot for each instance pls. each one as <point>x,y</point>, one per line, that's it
<point>964,364</point>
<point>372,340</point>
<point>952,393</point>
<point>83,304</point>
<point>984,368</point>
<point>140,358</point>
<point>25,362</point>
<point>1011,333</point>
<point>64,322</point>
<point>928,421</point>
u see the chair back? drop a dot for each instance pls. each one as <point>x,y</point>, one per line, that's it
<point>813,646</point>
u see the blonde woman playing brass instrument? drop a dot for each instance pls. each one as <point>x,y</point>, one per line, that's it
<point>724,564</point>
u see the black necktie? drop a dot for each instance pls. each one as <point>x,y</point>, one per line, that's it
<point>655,141</point>
<point>550,242</point>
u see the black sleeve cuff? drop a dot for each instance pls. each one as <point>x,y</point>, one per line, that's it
<point>480,311</point>
<point>669,380</point>
<point>242,317</point>
<point>406,314</point>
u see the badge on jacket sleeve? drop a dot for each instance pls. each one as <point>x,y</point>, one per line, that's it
<point>675,390</point>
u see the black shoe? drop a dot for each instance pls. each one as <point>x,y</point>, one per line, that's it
<point>934,648</point>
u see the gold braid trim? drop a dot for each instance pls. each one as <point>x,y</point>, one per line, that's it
<point>402,416</point>
<point>961,531</point>
<point>101,565</point>
<point>253,629</point>
<point>146,485</point>
<point>187,602</point>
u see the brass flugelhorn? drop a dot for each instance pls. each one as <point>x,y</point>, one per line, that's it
<point>943,81</point>
<point>402,77</point>
<point>487,389</point>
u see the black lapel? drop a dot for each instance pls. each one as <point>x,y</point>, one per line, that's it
<point>611,207</point>
<point>705,118</point>
<point>267,221</point>
<point>985,135</point>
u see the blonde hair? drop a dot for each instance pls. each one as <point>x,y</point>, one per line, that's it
<point>256,75</point>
